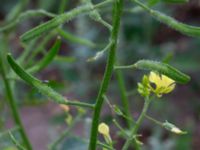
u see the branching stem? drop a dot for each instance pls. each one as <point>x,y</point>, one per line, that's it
<point>118,5</point>
<point>137,125</point>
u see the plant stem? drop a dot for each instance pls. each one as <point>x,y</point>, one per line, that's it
<point>124,97</point>
<point>125,67</point>
<point>15,142</point>
<point>120,128</point>
<point>99,5</point>
<point>11,100</point>
<point>104,146</point>
<point>5,133</point>
<point>137,125</point>
<point>54,144</point>
<point>118,5</point>
<point>154,120</point>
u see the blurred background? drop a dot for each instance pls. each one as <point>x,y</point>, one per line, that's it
<point>141,37</point>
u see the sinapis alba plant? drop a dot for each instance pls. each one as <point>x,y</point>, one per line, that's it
<point>161,78</point>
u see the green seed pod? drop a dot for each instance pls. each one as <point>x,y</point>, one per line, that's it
<point>41,87</point>
<point>47,59</point>
<point>163,68</point>
<point>171,22</point>
<point>53,23</point>
<point>181,27</point>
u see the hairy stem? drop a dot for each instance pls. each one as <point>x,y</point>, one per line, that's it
<point>118,5</point>
<point>124,98</point>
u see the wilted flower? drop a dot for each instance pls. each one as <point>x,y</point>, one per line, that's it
<point>103,129</point>
<point>64,107</point>
<point>176,130</point>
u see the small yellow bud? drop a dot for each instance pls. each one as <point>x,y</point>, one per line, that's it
<point>103,129</point>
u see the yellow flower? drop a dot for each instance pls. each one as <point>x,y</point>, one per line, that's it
<point>103,129</point>
<point>160,84</point>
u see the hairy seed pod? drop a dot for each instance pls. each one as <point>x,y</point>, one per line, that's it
<point>53,23</point>
<point>171,22</point>
<point>163,68</point>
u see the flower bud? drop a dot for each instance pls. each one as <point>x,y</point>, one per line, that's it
<point>173,128</point>
<point>103,129</point>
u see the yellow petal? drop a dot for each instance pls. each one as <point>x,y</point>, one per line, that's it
<point>163,84</point>
<point>154,78</point>
<point>167,81</point>
<point>169,88</point>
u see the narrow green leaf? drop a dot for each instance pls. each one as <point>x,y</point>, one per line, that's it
<point>171,22</point>
<point>41,87</point>
<point>163,68</point>
<point>47,58</point>
<point>53,23</point>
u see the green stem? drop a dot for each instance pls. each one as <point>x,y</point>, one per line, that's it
<point>65,133</point>
<point>118,5</point>
<point>124,97</point>
<point>99,5</point>
<point>15,142</point>
<point>12,102</point>
<point>125,67</point>
<point>137,125</point>
<point>105,146</point>
<point>5,133</point>
<point>26,52</point>
<point>154,120</point>
<point>120,128</point>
